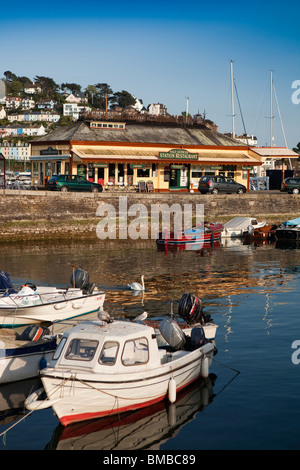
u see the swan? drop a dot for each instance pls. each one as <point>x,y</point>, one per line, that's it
<point>136,285</point>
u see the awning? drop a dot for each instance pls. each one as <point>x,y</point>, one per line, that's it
<point>230,157</point>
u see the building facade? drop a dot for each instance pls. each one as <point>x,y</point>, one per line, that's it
<point>167,156</point>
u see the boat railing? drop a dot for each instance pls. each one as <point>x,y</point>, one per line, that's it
<point>45,297</point>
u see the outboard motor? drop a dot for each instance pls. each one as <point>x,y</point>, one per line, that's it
<point>172,333</point>
<point>197,338</point>
<point>5,283</point>
<point>190,309</point>
<point>80,279</point>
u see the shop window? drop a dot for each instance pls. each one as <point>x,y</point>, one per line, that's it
<point>143,172</point>
<point>196,174</point>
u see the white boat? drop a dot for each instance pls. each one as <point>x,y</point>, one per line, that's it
<point>102,368</point>
<point>24,352</point>
<point>238,226</point>
<point>34,304</point>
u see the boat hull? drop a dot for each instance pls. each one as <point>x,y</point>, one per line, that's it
<point>20,363</point>
<point>202,238</point>
<point>76,397</point>
<point>288,234</point>
<point>15,316</point>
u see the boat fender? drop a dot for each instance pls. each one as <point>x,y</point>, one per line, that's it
<point>60,305</point>
<point>35,401</point>
<point>172,391</point>
<point>205,367</point>
<point>43,363</point>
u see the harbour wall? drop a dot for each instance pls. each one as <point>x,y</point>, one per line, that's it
<point>44,215</point>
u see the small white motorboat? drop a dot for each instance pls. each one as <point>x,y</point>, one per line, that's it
<point>238,226</point>
<point>102,368</point>
<point>35,304</point>
<point>24,352</point>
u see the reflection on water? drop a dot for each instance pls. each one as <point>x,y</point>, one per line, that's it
<point>250,290</point>
<point>147,428</point>
<point>212,274</point>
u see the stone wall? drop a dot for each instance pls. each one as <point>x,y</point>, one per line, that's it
<point>27,215</point>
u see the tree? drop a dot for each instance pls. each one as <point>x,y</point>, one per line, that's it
<point>297,149</point>
<point>104,92</point>
<point>123,98</point>
<point>10,76</point>
<point>70,86</point>
<point>47,85</point>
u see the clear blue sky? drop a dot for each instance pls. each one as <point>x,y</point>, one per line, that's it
<point>166,51</point>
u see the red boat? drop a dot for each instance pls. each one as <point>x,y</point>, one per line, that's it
<point>202,233</point>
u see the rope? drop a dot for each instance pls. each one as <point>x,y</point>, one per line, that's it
<point>30,412</point>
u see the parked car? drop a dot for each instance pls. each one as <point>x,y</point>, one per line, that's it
<point>216,184</point>
<point>72,183</point>
<point>291,185</point>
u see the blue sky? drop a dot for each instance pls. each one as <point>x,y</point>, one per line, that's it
<point>166,51</point>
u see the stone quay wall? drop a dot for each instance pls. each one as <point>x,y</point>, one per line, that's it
<point>45,215</point>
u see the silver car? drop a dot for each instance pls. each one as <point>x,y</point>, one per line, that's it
<point>217,184</point>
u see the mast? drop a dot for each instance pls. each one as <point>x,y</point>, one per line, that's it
<point>271,110</point>
<point>232,99</point>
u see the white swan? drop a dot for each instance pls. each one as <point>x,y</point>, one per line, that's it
<point>136,285</point>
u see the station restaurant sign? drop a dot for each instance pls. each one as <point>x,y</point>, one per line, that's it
<point>178,154</point>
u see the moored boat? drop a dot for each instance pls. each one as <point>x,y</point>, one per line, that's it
<point>107,367</point>
<point>36,304</point>
<point>201,234</point>
<point>238,226</point>
<point>24,352</point>
<point>289,230</point>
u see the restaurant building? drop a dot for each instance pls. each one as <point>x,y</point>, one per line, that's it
<point>119,154</point>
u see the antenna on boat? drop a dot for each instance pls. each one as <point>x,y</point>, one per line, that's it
<point>172,313</point>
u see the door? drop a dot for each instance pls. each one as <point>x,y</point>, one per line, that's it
<point>174,178</point>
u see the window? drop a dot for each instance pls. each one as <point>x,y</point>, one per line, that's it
<point>109,353</point>
<point>135,352</point>
<point>59,348</point>
<point>143,172</point>
<point>82,349</point>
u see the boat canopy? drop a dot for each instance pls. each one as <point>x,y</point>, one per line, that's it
<point>292,221</point>
<point>240,222</point>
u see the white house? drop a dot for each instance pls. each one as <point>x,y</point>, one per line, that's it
<point>28,103</point>
<point>76,97</point>
<point>2,113</point>
<point>33,88</point>
<point>157,109</point>
<point>73,110</point>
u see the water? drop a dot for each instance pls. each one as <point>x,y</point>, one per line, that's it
<point>251,400</point>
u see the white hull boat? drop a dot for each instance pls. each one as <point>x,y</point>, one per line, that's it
<point>102,368</point>
<point>238,226</point>
<point>24,353</point>
<point>36,304</point>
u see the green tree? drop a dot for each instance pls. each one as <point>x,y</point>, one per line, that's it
<point>297,149</point>
<point>48,85</point>
<point>72,87</point>
<point>104,92</point>
<point>123,98</point>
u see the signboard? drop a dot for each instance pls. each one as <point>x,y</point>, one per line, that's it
<point>101,165</point>
<point>247,167</point>
<point>137,165</point>
<point>178,154</point>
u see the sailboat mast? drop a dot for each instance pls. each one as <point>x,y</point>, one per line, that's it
<point>232,99</point>
<point>271,111</point>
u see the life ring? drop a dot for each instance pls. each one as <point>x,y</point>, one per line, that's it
<point>34,402</point>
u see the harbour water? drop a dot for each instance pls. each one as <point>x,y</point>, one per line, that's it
<point>251,399</point>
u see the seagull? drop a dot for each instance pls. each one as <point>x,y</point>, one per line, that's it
<point>136,285</point>
<point>140,318</point>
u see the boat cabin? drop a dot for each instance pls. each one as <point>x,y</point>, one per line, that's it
<point>117,347</point>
